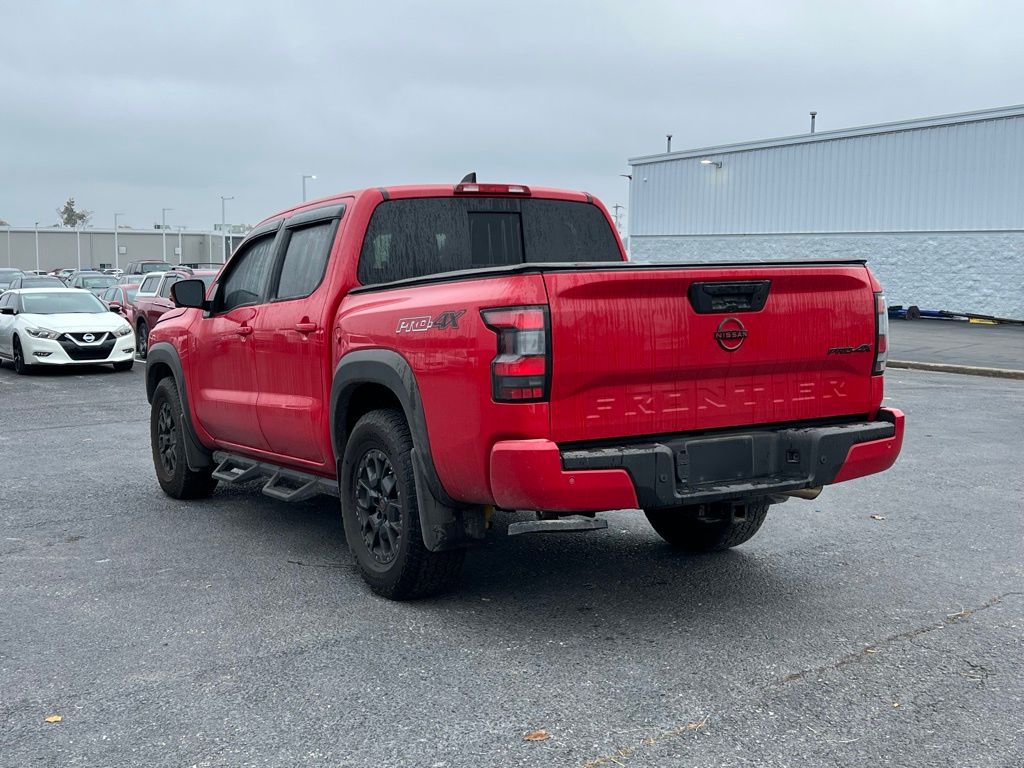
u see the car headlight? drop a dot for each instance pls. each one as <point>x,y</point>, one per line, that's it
<point>43,333</point>
<point>124,330</point>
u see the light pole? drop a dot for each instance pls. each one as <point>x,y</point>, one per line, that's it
<point>9,257</point>
<point>37,246</point>
<point>163,229</point>
<point>304,185</point>
<point>78,244</point>
<point>180,251</point>
<point>117,251</point>
<point>223,225</point>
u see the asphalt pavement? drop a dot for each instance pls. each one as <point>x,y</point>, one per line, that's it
<point>880,624</point>
<point>954,342</point>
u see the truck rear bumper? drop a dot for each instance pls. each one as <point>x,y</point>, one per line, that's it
<point>537,474</point>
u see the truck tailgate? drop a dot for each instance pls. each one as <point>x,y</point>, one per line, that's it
<point>633,354</point>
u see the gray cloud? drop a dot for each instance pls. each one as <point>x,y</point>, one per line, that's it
<point>133,107</point>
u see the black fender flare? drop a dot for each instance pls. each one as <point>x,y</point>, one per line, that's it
<point>445,523</point>
<point>161,355</point>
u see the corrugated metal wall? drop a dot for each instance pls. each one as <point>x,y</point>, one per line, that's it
<point>957,177</point>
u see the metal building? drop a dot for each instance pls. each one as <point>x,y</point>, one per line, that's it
<point>936,205</point>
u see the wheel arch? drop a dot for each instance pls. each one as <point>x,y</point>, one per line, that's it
<point>368,379</point>
<point>162,361</point>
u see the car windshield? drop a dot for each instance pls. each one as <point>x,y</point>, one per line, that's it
<point>65,302</point>
<point>154,266</point>
<point>40,282</point>
<point>130,293</point>
<point>99,282</point>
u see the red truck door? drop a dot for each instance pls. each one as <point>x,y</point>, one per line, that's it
<point>291,341</point>
<point>224,385</point>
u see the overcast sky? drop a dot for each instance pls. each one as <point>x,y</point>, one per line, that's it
<point>134,107</point>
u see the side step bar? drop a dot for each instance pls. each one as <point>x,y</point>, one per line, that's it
<point>558,525</point>
<point>282,484</point>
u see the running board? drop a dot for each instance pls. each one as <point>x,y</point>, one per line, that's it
<point>558,525</point>
<point>281,483</point>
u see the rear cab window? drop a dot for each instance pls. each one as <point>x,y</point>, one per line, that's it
<point>417,237</point>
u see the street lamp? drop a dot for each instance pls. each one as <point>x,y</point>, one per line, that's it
<point>223,225</point>
<point>117,251</point>
<point>163,229</point>
<point>304,186</point>
<point>180,251</point>
<point>37,246</point>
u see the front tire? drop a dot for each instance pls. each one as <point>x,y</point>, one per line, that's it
<point>712,529</point>
<point>380,512</point>
<point>142,340</point>
<point>167,438</point>
<point>20,366</point>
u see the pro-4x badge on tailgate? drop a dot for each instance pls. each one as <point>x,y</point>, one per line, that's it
<point>447,319</point>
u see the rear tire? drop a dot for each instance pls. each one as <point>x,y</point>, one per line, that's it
<point>20,366</point>
<point>380,512</point>
<point>142,340</point>
<point>124,365</point>
<point>715,531</point>
<point>167,438</point>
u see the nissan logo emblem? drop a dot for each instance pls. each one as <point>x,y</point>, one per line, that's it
<point>88,338</point>
<point>730,334</point>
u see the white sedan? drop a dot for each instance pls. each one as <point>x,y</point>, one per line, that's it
<point>62,326</point>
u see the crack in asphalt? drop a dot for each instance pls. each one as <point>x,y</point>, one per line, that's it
<point>853,658</point>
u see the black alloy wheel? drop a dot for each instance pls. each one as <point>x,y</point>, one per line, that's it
<point>167,438</point>
<point>378,506</point>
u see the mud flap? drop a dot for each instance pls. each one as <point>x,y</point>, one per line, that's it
<point>445,527</point>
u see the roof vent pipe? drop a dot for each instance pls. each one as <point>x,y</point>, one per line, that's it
<point>813,115</point>
<point>668,143</point>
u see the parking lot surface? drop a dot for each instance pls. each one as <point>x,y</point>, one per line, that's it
<point>957,343</point>
<point>881,624</point>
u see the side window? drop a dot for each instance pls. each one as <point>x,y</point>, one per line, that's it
<point>165,289</point>
<point>149,284</point>
<point>110,294</point>
<point>245,282</point>
<point>305,261</point>
<point>5,299</point>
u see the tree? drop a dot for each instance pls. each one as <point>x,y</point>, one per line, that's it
<point>70,216</point>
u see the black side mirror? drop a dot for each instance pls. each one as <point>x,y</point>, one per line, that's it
<point>6,310</point>
<point>115,307</point>
<point>189,293</point>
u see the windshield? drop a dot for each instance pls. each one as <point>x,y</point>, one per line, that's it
<point>154,266</point>
<point>40,282</point>
<point>130,293</point>
<point>98,282</point>
<point>61,303</point>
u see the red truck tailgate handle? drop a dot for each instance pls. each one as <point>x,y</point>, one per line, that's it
<point>305,327</point>
<point>715,297</point>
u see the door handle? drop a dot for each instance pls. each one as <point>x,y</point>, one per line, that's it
<point>244,330</point>
<point>305,327</point>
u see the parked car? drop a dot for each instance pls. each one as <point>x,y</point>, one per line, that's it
<point>65,274</point>
<point>145,267</point>
<point>96,282</point>
<point>119,298</point>
<point>7,276</point>
<point>432,352</point>
<point>153,299</point>
<point>62,326</point>
<point>113,271</point>
<point>36,281</point>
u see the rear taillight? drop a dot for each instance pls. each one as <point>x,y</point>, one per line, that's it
<point>521,371</point>
<point>491,189</point>
<point>881,334</point>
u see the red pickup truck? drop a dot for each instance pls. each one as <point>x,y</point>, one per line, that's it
<point>429,353</point>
